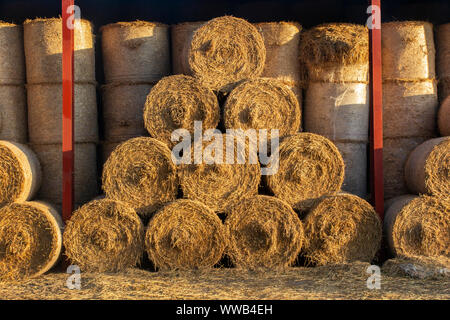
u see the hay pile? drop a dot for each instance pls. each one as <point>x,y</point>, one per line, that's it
<point>20,173</point>
<point>263,103</point>
<point>263,232</point>
<point>410,101</point>
<point>136,55</point>
<point>418,226</point>
<point>220,186</point>
<point>176,102</point>
<point>185,234</point>
<point>104,236</point>
<point>13,122</point>
<point>225,51</point>
<point>340,229</point>
<point>43,53</point>
<point>85,174</point>
<point>337,95</point>
<point>427,170</point>
<point>30,239</point>
<point>140,172</point>
<point>181,35</point>
<point>442,38</point>
<point>444,118</point>
<point>310,167</point>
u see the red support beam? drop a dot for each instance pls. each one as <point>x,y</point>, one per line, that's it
<point>68,106</point>
<point>376,110</point>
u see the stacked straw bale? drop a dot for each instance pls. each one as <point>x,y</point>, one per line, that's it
<point>176,102</point>
<point>13,121</point>
<point>136,55</point>
<point>442,37</point>
<point>104,236</point>
<point>181,35</point>
<point>264,232</point>
<point>444,118</point>
<point>185,234</point>
<point>310,166</point>
<point>225,51</point>
<point>337,95</point>
<point>43,53</point>
<point>30,239</point>
<point>410,101</point>
<point>20,173</point>
<point>340,229</point>
<point>418,226</point>
<point>282,41</point>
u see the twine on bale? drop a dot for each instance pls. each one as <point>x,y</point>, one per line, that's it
<point>185,234</point>
<point>123,105</point>
<point>220,185</point>
<point>427,170</point>
<point>418,226</point>
<point>263,103</point>
<point>175,102</point>
<point>140,172</point>
<point>336,52</point>
<point>43,51</point>
<point>408,50</point>
<point>12,62</point>
<point>13,113</point>
<point>339,229</point>
<point>264,232</point>
<point>225,51</point>
<point>104,236</point>
<point>20,172</point>
<point>444,118</point>
<point>138,51</point>
<point>310,167</point>
<point>30,239</point>
<point>182,34</point>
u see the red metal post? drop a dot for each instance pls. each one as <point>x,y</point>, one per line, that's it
<point>376,110</point>
<point>68,99</point>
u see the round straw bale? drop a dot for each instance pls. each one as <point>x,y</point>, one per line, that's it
<point>418,226</point>
<point>176,102</point>
<point>355,158</point>
<point>225,51</point>
<point>13,113</point>
<point>338,111</point>
<point>340,229</point>
<point>104,236</point>
<point>185,234</point>
<point>408,50</point>
<point>310,166</point>
<point>141,173</point>
<point>395,154</point>
<point>444,118</point>
<point>45,113</point>
<point>30,239</point>
<point>123,106</point>
<point>43,51</point>
<point>264,232</point>
<point>220,185</point>
<point>12,60</point>
<point>444,88</point>
<point>85,183</point>
<point>182,34</point>
<point>409,109</point>
<point>263,103</point>
<point>427,170</point>
<point>282,50</point>
<point>138,51</point>
<point>20,172</point>
<point>336,52</point>
<point>443,50</point>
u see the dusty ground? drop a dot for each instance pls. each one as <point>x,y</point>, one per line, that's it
<point>336,282</point>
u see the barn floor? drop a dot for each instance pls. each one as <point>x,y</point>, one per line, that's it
<point>335,282</point>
